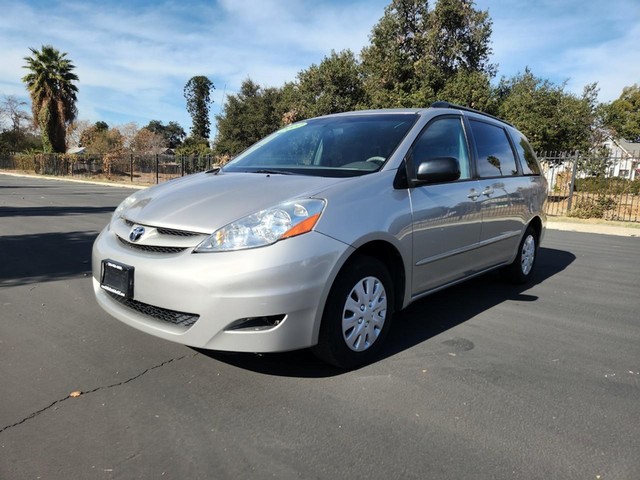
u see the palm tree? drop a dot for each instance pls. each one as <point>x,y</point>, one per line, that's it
<point>53,95</point>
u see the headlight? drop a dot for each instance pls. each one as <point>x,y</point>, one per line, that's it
<point>265,227</point>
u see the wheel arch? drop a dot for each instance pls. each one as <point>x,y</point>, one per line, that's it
<point>381,250</point>
<point>389,255</point>
<point>536,224</point>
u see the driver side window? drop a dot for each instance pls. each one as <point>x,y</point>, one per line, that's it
<point>444,138</point>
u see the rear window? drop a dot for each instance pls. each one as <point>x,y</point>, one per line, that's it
<point>527,156</point>
<point>495,155</point>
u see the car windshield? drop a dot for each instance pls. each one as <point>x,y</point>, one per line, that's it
<point>333,146</point>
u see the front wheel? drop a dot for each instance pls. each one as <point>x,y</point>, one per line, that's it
<point>521,270</point>
<point>357,315</point>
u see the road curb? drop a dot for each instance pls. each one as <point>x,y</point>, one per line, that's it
<point>594,228</point>
<point>75,180</point>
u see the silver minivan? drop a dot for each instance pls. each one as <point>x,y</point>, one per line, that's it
<point>316,235</point>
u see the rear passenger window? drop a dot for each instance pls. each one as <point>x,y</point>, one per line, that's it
<point>495,155</point>
<point>527,156</point>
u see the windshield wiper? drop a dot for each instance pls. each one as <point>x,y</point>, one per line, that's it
<point>274,172</point>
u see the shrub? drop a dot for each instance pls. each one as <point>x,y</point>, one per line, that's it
<point>592,208</point>
<point>611,186</point>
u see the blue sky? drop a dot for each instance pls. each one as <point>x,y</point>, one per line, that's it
<point>134,57</point>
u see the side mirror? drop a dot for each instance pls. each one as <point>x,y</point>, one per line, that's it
<point>436,170</point>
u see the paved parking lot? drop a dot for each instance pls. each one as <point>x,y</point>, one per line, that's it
<point>484,380</point>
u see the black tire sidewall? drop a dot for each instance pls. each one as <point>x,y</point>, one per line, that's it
<point>515,269</point>
<point>331,344</point>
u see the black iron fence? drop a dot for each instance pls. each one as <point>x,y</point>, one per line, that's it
<point>141,169</point>
<point>593,186</point>
<point>580,185</point>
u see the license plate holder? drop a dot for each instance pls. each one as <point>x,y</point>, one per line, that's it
<point>117,278</point>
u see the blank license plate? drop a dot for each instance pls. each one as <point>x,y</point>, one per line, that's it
<point>117,278</point>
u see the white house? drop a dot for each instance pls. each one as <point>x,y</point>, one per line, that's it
<point>625,158</point>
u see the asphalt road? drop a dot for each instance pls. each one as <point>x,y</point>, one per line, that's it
<point>483,381</point>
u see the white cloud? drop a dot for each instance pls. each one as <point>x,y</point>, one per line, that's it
<point>575,40</point>
<point>134,60</point>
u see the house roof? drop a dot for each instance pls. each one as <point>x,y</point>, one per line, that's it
<point>76,149</point>
<point>626,148</point>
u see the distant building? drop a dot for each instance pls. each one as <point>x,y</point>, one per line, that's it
<point>76,150</point>
<point>625,158</point>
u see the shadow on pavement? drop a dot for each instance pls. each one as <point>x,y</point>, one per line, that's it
<point>53,211</point>
<point>419,322</point>
<point>42,257</point>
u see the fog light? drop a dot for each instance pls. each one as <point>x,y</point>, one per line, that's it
<point>256,323</point>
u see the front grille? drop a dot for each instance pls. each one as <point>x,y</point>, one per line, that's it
<point>152,248</point>
<point>177,318</point>
<point>166,231</point>
<point>176,233</point>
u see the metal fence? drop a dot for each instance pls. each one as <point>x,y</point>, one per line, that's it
<point>139,169</point>
<point>593,186</point>
<point>580,185</point>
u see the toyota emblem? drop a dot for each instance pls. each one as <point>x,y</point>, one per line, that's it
<point>136,233</point>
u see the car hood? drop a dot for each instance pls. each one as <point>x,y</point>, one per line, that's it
<point>207,201</point>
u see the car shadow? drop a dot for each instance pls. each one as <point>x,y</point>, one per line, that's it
<point>53,211</point>
<point>418,323</point>
<point>43,257</point>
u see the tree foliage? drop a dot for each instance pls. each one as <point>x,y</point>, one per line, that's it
<point>552,119</point>
<point>416,52</point>
<point>16,131</point>
<point>392,63</point>
<point>172,132</point>
<point>197,92</point>
<point>148,141</point>
<point>53,94</point>
<point>99,138</point>
<point>194,146</point>
<point>248,116</point>
<point>335,85</point>
<point>622,116</point>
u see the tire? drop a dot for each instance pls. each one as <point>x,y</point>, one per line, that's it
<point>521,270</point>
<point>357,315</point>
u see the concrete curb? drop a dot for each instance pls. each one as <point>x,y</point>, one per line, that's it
<point>75,180</point>
<point>594,228</point>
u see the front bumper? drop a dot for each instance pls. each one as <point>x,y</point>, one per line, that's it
<point>289,279</point>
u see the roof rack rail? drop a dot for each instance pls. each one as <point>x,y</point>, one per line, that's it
<point>443,104</point>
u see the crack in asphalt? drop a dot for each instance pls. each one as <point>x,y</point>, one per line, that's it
<point>82,392</point>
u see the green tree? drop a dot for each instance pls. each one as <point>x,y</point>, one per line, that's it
<point>458,39</point>
<point>197,92</point>
<point>53,94</point>
<point>552,119</point>
<point>335,85</point>
<point>622,116</point>
<point>418,55</point>
<point>470,88</point>
<point>391,63</point>
<point>194,146</point>
<point>248,116</point>
<point>172,132</point>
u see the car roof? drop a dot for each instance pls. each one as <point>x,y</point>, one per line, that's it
<point>440,105</point>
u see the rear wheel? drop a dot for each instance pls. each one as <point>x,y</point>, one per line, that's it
<point>357,315</point>
<point>521,270</point>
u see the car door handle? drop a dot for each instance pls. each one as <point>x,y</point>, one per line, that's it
<point>473,195</point>
<point>488,191</point>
